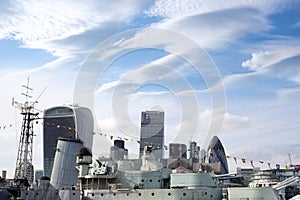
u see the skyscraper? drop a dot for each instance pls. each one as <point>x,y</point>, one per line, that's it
<point>216,153</point>
<point>152,132</point>
<point>72,122</point>
<point>194,151</point>
<point>177,151</point>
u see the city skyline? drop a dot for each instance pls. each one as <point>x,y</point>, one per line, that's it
<point>253,45</point>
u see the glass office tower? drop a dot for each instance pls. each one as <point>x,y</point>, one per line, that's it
<point>152,132</point>
<point>68,122</point>
<point>216,153</point>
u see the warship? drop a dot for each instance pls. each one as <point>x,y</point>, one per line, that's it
<point>77,175</point>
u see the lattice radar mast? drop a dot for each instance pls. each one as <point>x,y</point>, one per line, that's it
<point>24,168</point>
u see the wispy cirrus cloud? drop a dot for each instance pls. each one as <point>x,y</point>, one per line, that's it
<point>177,8</point>
<point>217,29</point>
<point>37,23</point>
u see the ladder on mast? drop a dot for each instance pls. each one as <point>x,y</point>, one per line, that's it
<point>24,169</point>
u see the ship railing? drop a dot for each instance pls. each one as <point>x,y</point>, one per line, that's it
<point>109,186</point>
<point>89,187</point>
<point>290,181</point>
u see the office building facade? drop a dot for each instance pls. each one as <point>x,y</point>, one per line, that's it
<point>177,151</point>
<point>71,122</point>
<point>152,132</point>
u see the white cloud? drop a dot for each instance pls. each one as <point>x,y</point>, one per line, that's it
<point>273,52</point>
<point>235,122</point>
<point>176,8</point>
<point>216,29</point>
<point>37,23</point>
<point>278,59</point>
<point>296,25</point>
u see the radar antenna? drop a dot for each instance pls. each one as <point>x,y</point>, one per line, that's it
<point>24,169</point>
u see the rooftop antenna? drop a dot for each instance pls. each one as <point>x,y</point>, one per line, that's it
<point>24,171</point>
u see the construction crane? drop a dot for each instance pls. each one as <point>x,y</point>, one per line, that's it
<point>24,172</point>
<point>291,164</point>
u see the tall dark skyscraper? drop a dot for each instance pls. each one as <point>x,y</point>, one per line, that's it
<point>67,122</point>
<point>152,131</point>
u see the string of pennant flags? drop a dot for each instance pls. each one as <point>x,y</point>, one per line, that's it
<point>61,126</point>
<point>3,127</point>
<point>236,160</point>
<point>109,136</point>
<point>112,137</point>
<point>252,162</point>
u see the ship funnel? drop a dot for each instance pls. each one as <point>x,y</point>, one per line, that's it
<point>64,172</point>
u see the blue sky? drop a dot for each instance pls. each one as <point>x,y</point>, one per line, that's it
<point>253,46</point>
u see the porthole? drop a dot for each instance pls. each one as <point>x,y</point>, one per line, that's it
<point>140,194</point>
<point>184,194</point>
<point>169,194</point>
<point>152,194</point>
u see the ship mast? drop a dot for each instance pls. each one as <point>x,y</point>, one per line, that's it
<point>24,168</point>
